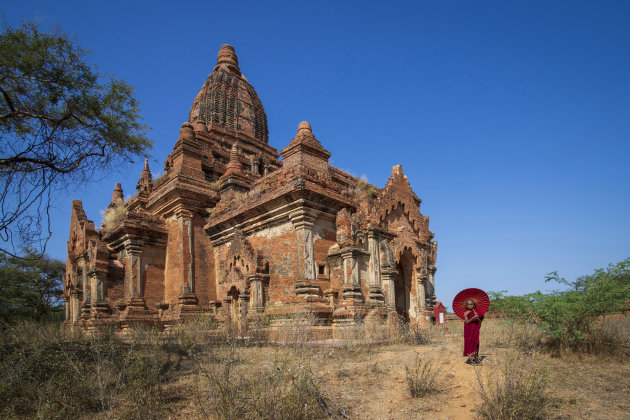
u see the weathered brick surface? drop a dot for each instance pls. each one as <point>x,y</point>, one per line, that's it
<point>230,228</point>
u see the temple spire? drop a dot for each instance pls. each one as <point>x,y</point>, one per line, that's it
<point>305,150</point>
<point>145,183</point>
<point>235,176</point>
<point>227,60</point>
<point>117,196</point>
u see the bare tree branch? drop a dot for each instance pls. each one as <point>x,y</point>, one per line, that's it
<point>60,123</point>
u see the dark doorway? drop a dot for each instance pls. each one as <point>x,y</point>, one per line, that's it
<point>402,285</point>
<point>235,309</point>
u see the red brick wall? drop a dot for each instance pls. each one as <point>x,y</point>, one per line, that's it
<point>153,275</point>
<point>173,260</point>
<point>281,252</point>
<point>205,281</point>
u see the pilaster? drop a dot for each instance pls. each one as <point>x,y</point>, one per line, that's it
<point>99,307</point>
<point>133,249</point>
<point>388,275</point>
<point>256,287</point>
<point>352,276</point>
<point>75,298</point>
<point>86,306</point>
<point>375,292</point>
<point>187,295</point>
<point>306,283</point>
<point>421,292</point>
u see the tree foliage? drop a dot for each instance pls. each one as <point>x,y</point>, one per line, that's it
<point>567,315</point>
<point>61,122</point>
<point>29,287</point>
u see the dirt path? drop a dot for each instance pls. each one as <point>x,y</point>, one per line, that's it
<point>373,385</point>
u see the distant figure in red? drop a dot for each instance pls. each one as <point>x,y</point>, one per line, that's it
<point>472,325</point>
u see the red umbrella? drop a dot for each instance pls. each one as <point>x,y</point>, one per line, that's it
<point>483,302</point>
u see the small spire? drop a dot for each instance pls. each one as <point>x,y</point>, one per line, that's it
<point>304,126</point>
<point>145,183</point>
<point>227,60</point>
<point>303,143</point>
<point>118,195</point>
<point>397,170</point>
<point>235,176</point>
<point>234,151</point>
<point>234,164</point>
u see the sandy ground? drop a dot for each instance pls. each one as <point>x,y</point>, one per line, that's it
<point>372,385</point>
<point>370,382</point>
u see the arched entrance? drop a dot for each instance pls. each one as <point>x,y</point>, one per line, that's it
<point>402,284</point>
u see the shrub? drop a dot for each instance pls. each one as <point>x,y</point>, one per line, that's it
<point>42,375</point>
<point>51,373</point>
<point>286,389</point>
<point>516,391</point>
<point>421,378</point>
<point>567,317</point>
<point>296,330</point>
<point>522,335</point>
<point>609,336</point>
<point>113,216</point>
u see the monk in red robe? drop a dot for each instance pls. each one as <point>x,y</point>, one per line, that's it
<point>472,325</point>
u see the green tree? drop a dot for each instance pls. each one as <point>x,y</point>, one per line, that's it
<point>61,123</point>
<point>30,287</point>
<point>567,316</point>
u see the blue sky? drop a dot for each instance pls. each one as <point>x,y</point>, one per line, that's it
<point>510,118</point>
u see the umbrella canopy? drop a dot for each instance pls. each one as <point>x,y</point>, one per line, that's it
<point>483,302</point>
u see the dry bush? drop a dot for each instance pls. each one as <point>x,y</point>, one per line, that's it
<point>295,331</point>
<point>421,378</point>
<point>113,216</point>
<point>157,181</point>
<point>374,330</point>
<point>610,336</point>
<point>43,373</point>
<point>214,186</point>
<point>258,329</point>
<point>228,388</point>
<point>511,333</point>
<point>131,371</point>
<point>419,334</point>
<point>49,372</point>
<point>517,390</point>
<point>193,333</point>
<point>356,333</point>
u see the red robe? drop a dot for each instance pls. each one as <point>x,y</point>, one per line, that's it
<point>471,335</point>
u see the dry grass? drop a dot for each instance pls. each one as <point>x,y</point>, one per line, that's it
<point>510,334</point>
<point>517,390</point>
<point>609,337</point>
<point>201,370</point>
<point>98,374</point>
<point>230,386</point>
<point>295,331</point>
<point>374,331</point>
<point>113,216</point>
<point>421,378</point>
<point>214,186</point>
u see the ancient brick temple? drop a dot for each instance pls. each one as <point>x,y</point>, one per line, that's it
<point>236,229</point>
